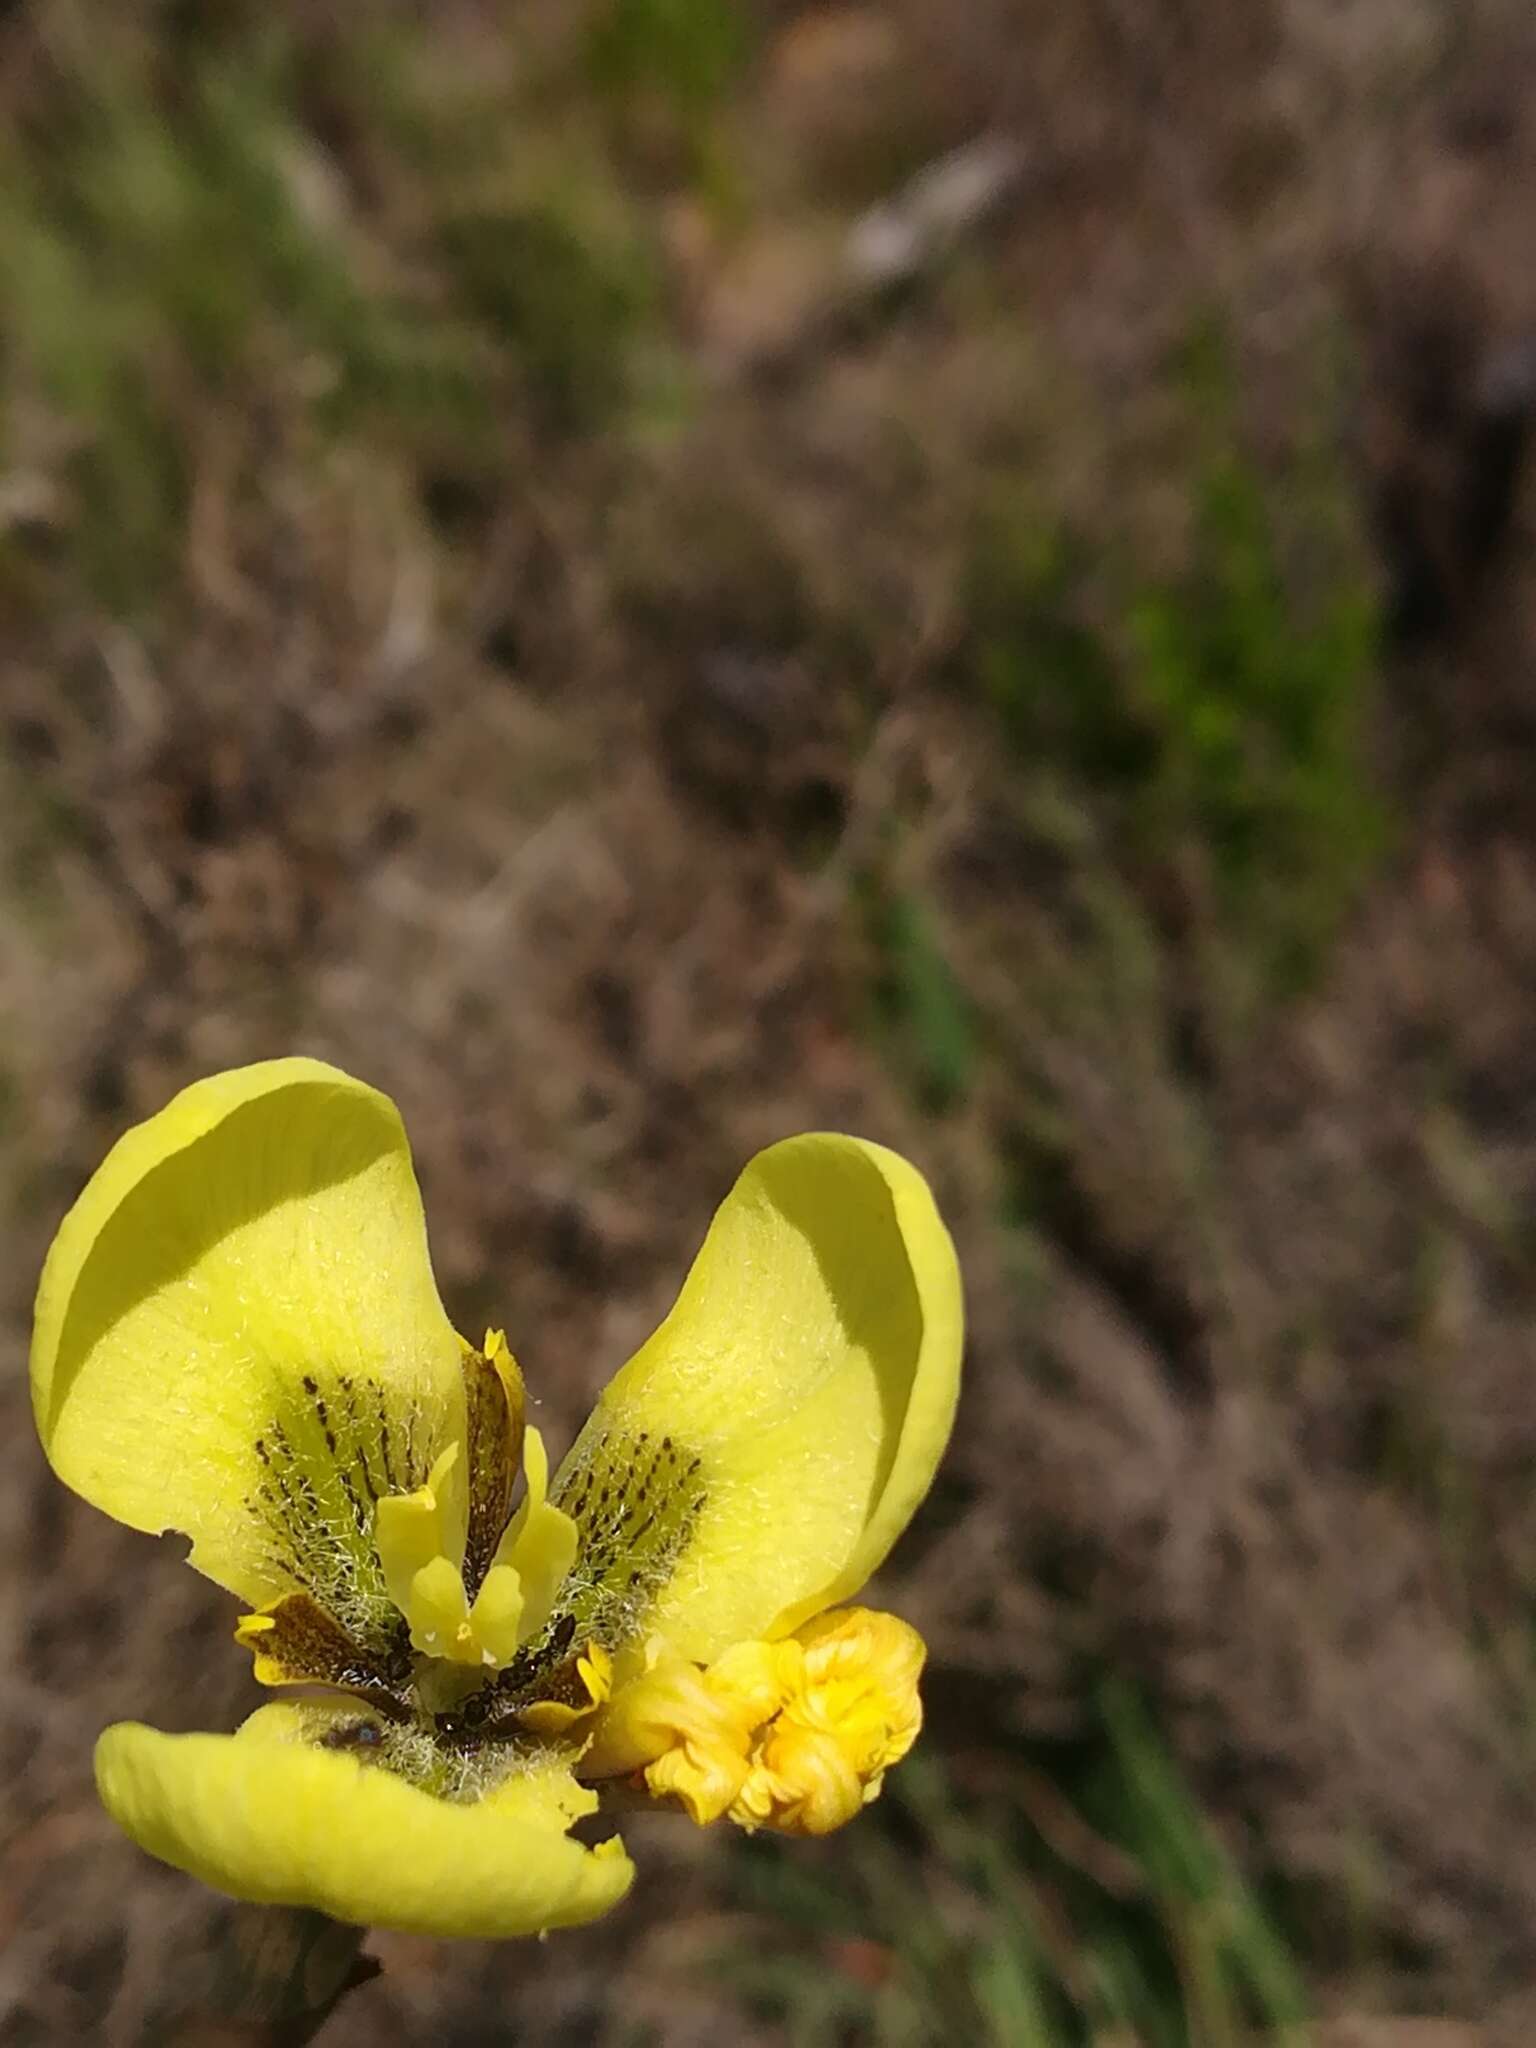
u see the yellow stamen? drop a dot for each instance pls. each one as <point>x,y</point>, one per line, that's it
<point>438,1613</point>
<point>496,1619</point>
<point>420,1538</point>
<point>540,1541</point>
<point>414,1532</point>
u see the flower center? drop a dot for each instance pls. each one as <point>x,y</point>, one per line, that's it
<point>460,1634</point>
<point>421,1543</point>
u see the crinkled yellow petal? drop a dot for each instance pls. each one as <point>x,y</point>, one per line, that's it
<point>690,1732</point>
<point>705,1779</point>
<point>669,1701</point>
<point>238,1334</point>
<point>804,1783</point>
<point>851,1710</point>
<point>756,1678</point>
<point>757,1458</point>
<point>794,1734</point>
<point>267,1816</point>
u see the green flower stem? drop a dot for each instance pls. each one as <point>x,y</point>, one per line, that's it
<point>272,1981</point>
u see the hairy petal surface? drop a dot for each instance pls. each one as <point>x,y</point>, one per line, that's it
<point>238,1334</point>
<point>269,1816</point>
<point>757,1458</point>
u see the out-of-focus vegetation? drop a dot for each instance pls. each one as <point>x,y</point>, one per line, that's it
<point>493,599</point>
<point>1106,1914</point>
<point>1219,718</point>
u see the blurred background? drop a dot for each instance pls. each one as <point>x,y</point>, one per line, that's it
<point>647,574</point>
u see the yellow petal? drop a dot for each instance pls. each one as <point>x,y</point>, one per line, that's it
<point>238,1335</point>
<point>795,1734</point>
<point>704,1779</point>
<point>267,1816</point>
<point>805,1783</point>
<point>756,1678</point>
<point>691,1742</point>
<point>757,1458</point>
<point>669,1701</point>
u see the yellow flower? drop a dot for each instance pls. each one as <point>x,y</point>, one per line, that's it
<point>238,1337</point>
